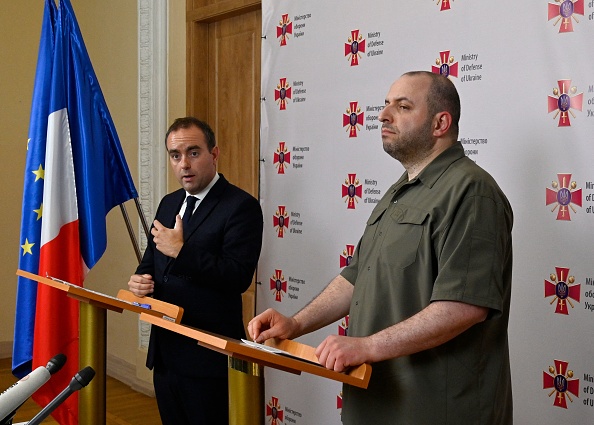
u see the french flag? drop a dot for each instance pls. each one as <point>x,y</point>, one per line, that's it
<point>75,174</point>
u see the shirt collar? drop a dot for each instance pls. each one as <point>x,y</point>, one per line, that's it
<point>433,171</point>
<point>202,194</point>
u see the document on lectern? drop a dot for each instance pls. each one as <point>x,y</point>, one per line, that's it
<point>274,350</point>
<point>286,355</point>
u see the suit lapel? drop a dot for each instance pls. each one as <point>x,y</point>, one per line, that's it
<point>170,210</point>
<point>173,208</point>
<point>208,204</point>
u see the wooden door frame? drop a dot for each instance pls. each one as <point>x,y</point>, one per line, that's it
<point>197,20</point>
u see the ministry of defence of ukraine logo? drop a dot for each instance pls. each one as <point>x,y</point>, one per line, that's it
<point>565,11</point>
<point>351,190</point>
<point>347,256</point>
<point>280,221</point>
<point>560,380</point>
<point>282,92</point>
<point>564,196</point>
<point>283,29</point>
<point>563,289</point>
<point>278,285</point>
<point>563,102</point>
<point>352,119</point>
<point>445,4</point>
<point>343,328</point>
<point>274,413</point>
<point>281,157</point>
<point>446,65</point>
<point>354,47</point>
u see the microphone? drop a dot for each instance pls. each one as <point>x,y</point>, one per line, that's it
<point>15,395</point>
<point>81,379</point>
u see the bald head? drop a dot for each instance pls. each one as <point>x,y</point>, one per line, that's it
<point>441,96</point>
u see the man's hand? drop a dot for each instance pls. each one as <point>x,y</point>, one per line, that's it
<point>338,353</point>
<point>271,324</point>
<point>141,284</point>
<point>168,241</point>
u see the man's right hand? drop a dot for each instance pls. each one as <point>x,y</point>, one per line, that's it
<point>272,324</point>
<point>141,284</point>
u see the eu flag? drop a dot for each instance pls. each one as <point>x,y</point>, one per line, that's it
<point>75,174</point>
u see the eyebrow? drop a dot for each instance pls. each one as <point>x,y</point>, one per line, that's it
<point>189,148</point>
<point>399,99</point>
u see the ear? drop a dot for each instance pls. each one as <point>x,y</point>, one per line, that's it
<point>442,123</point>
<point>215,154</point>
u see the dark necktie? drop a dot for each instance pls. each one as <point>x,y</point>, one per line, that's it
<point>190,204</point>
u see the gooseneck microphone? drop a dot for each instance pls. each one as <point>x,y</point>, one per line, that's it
<point>81,379</point>
<point>15,395</point>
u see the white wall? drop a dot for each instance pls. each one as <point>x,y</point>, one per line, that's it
<point>510,58</point>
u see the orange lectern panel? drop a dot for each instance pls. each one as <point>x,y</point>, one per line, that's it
<point>290,356</point>
<point>125,300</point>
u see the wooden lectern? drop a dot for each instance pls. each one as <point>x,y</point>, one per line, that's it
<point>246,389</point>
<point>289,356</point>
<point>93,335</point>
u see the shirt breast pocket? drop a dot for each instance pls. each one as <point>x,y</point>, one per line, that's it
<point>405,228</point>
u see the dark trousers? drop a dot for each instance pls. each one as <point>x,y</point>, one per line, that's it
<point>186,400</point>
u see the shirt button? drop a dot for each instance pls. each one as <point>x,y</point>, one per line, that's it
<point>368,268</point>
<point>165,278</point>
<point>396,201</point>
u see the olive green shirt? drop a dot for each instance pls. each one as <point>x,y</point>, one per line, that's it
<point>445,235</point>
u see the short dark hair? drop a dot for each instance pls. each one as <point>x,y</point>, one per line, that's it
<point>187,122</point>
<point>441,96</point>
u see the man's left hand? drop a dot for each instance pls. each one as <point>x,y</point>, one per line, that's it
<point>168,241</point>
<point>338,353</point>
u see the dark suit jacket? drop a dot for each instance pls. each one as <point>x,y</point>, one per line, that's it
<point>214,267</point>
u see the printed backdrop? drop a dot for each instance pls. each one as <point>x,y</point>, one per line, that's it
<point>525,74</point>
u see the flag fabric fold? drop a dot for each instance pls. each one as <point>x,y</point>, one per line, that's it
<point>33,196</point>
<point>79,174</point>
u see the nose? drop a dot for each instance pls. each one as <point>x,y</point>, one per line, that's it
<point>184,162</point>
<point>384,116</point>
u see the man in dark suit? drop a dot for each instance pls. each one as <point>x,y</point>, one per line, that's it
<point>203,263</point>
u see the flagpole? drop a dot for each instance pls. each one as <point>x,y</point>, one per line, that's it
<point>133,239</point>
<point>142,217</point>
<point>131,232</point>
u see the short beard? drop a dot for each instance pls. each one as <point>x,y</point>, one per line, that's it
<point>411,149</point>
